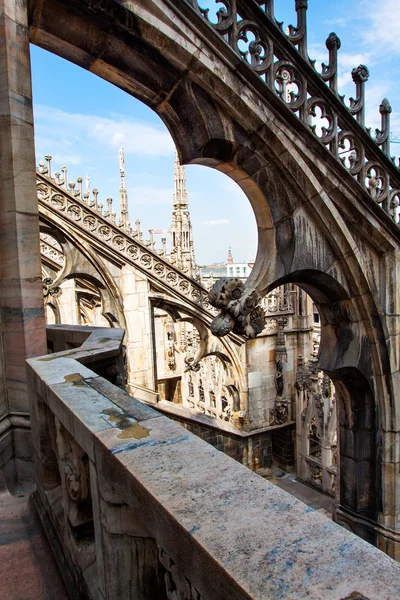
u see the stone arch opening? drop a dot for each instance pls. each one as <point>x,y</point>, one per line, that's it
<point>358,487</point>
<point>161,80</point>
<point>198,382</point>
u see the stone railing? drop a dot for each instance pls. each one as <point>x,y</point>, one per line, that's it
<point>135,506</point>
<point>279,61</point>
<point>86,214</point>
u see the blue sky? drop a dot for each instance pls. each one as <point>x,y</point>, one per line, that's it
<point>82,121</point>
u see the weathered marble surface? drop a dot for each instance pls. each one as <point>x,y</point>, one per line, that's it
<point>22,332</point>
<point>226,532</point>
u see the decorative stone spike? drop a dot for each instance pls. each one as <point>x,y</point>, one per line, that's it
<point>298,35</point>
<point>329,72</point>
<point>151,239</point>
<point>95,194</point>
<point>360,76</point>
<point>48,165</point>
<point>64,181</point>
<point>79,181</point>
<point>382,135</point>
<point>107,214</point>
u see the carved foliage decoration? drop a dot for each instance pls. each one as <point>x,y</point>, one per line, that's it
<point>239,307</point>
<point>177,585</point>
<point>49,289</point>
<point>74,470</point>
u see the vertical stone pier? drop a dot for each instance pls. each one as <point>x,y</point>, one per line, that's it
<point>22,328</point>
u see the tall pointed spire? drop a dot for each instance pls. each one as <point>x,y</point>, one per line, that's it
<point>123,194</point>
<point>229,260</point>
<point>180,194</point>
<point>182,250</point>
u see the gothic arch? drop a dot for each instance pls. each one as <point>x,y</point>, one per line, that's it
<point>212,125</point>
<point>209,344</point>
<point>81,261</point>
<point>302,209</point>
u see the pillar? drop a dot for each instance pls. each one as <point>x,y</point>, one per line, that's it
<point>22,330</point>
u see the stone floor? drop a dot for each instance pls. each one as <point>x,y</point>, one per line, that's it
<point>310,496</point>
<point>28,570</point>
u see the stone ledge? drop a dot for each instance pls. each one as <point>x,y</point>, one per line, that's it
<point>232,534</point>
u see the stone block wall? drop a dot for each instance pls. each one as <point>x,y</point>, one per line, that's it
<point>253,451</point>
<point>283,447</point>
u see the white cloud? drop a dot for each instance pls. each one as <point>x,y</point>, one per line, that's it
<point>383,31</point>
<point>341,22</point>
<point>137,138</point>
<point>214,222</point>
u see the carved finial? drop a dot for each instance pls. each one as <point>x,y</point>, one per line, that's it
<point>298,35</point>
<point>151,239</point>
<point>382,135</point>
<point>48,158</point>
<point>384,107</point>
<point>64,170</point>
<point>95,193</point>
<point>360,76</point>
<point>333,42</point>
<point>79,182</point>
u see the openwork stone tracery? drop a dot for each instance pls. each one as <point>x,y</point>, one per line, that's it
<point>200,384</point>
<point>280,59</point>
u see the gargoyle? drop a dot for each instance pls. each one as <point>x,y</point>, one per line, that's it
<point>240,312</point>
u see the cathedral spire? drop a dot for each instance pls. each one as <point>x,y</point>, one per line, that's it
<point>182,250</point>
<point>180,194</point>
<point>123,194</point>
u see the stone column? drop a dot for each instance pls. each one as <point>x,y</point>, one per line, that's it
<point>135,290</point>
<point>22,331</point>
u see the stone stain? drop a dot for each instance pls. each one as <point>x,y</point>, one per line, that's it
<point>135,431</point>
<point>130,427</point>
<point>148,443</point>
<point>75,379</point>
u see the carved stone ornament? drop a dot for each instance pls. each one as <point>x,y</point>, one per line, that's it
<point>240,312</point>
<point>177,585</point>
<point>49,289</point>
<point>280,414</point>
